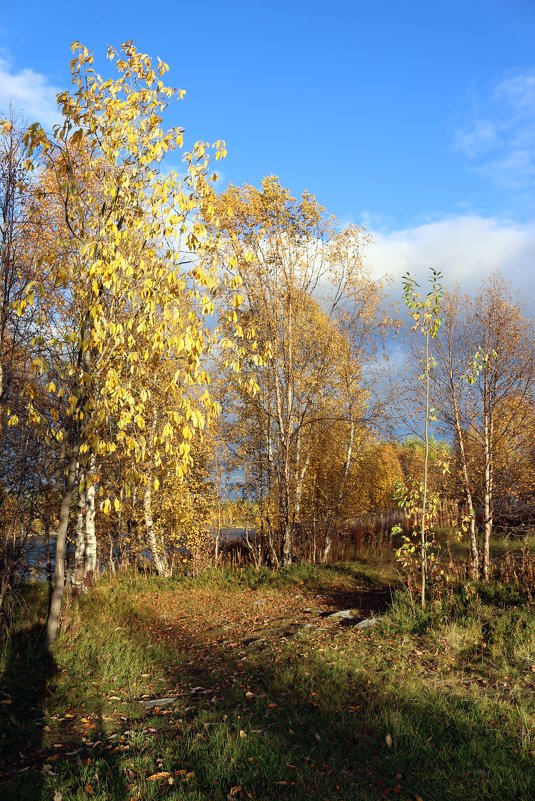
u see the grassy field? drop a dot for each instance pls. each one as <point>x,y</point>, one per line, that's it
<point>272,699</point>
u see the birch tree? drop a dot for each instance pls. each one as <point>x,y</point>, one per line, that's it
<point>502,372</point>
<point>311,303</point>
<point>116,257</point>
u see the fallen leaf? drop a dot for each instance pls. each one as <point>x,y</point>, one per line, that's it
<point>388,740</point>
<point>163,774</point>
<point>243,733</point>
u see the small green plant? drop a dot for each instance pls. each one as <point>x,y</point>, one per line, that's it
<point>409,496</point>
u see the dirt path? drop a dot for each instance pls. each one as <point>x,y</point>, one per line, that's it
<point>217,631</point>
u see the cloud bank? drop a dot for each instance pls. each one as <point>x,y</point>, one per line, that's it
<point>466,249</point>
<point>29,93</point>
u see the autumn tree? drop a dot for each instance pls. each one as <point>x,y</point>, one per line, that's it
<point>23,455</point>
<point>483,383</point>
<point>312,306</point>
<point>454,351</point>
<point>121,254</point>
<point>502,374</point>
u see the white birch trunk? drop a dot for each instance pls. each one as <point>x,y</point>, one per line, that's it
<point>160,562</point>
<point>54,614</point>
<point>79,545</point>
<point>90,532</point>
<point>488,490</point>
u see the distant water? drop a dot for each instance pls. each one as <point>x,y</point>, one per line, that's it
<point>36,551</point>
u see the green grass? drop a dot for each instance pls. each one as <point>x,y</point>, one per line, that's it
<point>436,705</point>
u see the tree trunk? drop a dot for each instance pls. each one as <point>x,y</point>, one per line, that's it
<point>90,532</point>
<point>423,530</point>
<point>487,502</point>
<point>341,490</point>
<point>287,543</point>
<point>54,614</point>
<point>327,547</point>
<point>474,551</point>
<point>79,546</point>
<point>160,562</point>
<point>284,505</point>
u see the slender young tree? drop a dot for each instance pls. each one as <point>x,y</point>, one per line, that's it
<point>426,313</point>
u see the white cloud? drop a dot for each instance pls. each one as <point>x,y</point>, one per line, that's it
<point>466,249</point>
<point>498,136</point>
<point>481,137</point>
<point>29,93</point>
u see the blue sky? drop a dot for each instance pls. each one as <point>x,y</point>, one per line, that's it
<point>416,118</point>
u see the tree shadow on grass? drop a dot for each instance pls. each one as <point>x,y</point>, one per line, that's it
<point>23,687</point>
<point>278,718</point>
<point>31,762</point>
<point>286,717</point>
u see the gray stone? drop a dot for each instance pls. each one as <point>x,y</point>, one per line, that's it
<point>343,614</point>
<point>160,702</point>
<point>367,623</point>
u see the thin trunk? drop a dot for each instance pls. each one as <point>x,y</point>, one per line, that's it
<point>218,530</point>
<point>284,483</point>
<point>423,533</point>
<point>341,490</point>
<point>287,543</point>
<point>110,556</point>
<point>160,562</point>
<point>79,546</point>
<point>300,482</point>
<point>487,502</point>
<point>474,551</point>
<point>90,532</point>
<point>54,614</point>
<point>284,505</point>
<point>327,547</point>
<point>48,557</point>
